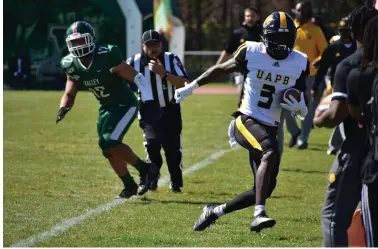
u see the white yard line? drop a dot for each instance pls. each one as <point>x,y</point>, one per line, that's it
<point>67,224</point>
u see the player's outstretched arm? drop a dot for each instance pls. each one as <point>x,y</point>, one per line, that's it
<point>68,99</point>
<point>218,71</point>
<point>127,72</point>
<point>210,75</point>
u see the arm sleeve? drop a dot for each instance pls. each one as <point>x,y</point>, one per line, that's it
<point>300,84</point>
<point>352,88</point>
<point>325,63</point>
<point>240,57</point>
<point>66,64</point>
<point>179,69</point>
<point>339,85</point>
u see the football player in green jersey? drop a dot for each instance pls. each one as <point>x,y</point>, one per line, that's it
<point>102,70</point>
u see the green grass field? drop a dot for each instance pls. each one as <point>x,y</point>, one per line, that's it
<point>55,172</point>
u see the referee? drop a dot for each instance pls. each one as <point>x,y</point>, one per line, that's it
<point>165,73</point>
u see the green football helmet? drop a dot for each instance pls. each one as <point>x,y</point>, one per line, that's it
<point>80,39</point>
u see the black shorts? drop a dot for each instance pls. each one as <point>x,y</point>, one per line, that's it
<point>255,136</point>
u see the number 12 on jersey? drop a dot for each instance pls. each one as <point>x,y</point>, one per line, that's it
<point>98,91</point>
<point>267,92</point>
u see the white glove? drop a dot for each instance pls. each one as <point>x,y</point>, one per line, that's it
<point>183,92</point>
<point>298,108</point>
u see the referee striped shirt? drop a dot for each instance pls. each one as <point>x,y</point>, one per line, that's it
<point>162,90</point>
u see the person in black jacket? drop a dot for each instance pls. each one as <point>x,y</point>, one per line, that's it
<point>344,180</point>
<point>332,56</point>
<point>249,31</point>
<point>362,87</point>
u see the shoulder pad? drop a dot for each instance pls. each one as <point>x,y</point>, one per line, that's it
<point>254,46</point>
<point>301,58</point>
<point>113,48</point>
<point>66,61</point>
<point>105,49</point>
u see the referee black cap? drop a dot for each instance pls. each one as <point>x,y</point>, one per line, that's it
<point>150,36</point>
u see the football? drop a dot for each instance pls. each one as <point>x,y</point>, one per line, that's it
<point>324,105</point>
<point>291,92</point>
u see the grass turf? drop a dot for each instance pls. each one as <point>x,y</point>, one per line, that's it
<point>55,172</point>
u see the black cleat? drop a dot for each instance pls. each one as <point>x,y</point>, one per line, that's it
<point>294,139</point>
<point>127,193</point>
<point>208,217</point>
<point>154,185</point>
<point>174,188</point>
<point>261,221</point>
<point>332,152</point>
<point>146,177</point>
<point>303,146</point>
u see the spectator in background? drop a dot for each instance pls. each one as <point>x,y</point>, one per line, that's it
<point>19,66</point>
<point>332,56</point>
<point>319,21</point>
<point>249,31</point>
<point>311,41</point>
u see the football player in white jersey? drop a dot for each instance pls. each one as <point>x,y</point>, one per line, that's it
<point>272,66</point>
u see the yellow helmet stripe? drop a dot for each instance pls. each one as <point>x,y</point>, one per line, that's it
<point>283,23</point>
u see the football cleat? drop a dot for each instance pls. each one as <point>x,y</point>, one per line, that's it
<point>127,193</point>
<point>261,221</point>
<point>208,217</point>
<point>154,185</point>
<point>146,177</point>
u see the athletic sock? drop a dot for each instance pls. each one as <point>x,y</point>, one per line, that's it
<point>241,201</point>
<point>259,209</point>
<point>219,210</point>
<point>140,165</point>
<point>128,180</point>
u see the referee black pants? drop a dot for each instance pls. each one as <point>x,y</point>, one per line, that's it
<point>166,134</point>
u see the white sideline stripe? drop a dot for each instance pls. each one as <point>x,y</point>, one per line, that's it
<point>67,224</point>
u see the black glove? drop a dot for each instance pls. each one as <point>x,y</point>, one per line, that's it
<point>150,111</point>
<point>61,113</point>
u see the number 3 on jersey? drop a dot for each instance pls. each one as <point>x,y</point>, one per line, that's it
<point>98,91</point>
<point>267,92</point>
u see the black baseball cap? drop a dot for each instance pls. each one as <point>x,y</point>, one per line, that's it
<point>150,36</point>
